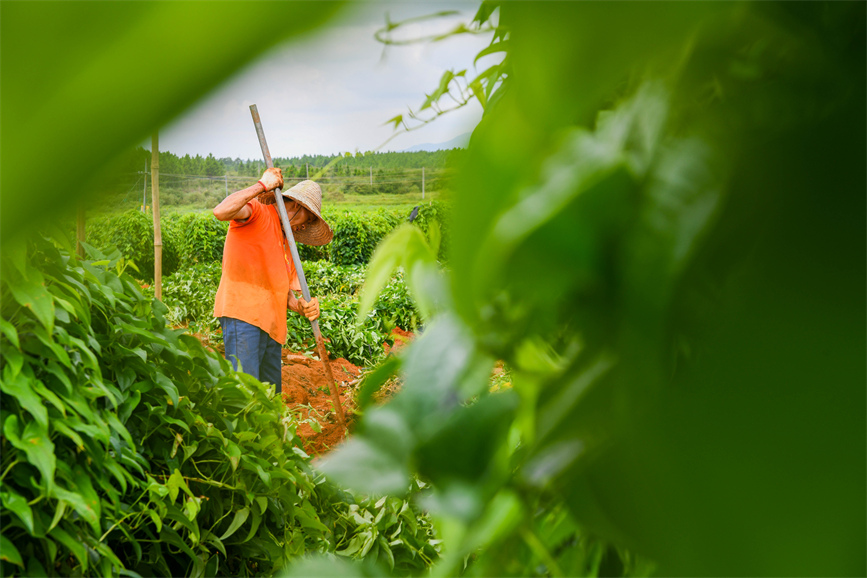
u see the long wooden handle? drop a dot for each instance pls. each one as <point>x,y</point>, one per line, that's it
<point>296,259</point>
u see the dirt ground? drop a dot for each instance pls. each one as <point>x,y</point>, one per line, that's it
<point>306,392</point>
<point>305,389</point>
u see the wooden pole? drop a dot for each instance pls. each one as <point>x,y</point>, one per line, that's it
<point>144,191</point>
<point>155,198</point>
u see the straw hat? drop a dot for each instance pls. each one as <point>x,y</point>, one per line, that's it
<point>316,232</point>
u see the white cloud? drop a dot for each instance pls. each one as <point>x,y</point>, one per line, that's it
<point>332,91</point>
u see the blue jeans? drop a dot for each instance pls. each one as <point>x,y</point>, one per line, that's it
<point>252,348</point>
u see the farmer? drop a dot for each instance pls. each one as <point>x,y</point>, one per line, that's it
<point>259,281</point>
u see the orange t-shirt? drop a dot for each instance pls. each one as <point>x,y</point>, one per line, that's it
<point>258,272</point>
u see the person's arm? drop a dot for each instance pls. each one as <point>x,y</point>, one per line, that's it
<point>235,205</point>
<point>309,309</point>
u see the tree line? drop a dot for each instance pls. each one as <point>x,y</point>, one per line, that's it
<point>346,164</point>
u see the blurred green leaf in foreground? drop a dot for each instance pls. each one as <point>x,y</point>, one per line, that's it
<point>83,82</point>
<point>660,228</point>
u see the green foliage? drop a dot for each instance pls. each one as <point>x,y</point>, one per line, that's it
<point>130,449</point>
<point>395,306</point>
<point>356,235</point>
<point>132,233</point>
<point>359,344</point>
<point>324,277</point>
<point>643,231</point>
<point>189,295</point>
<point>438,212</point>
<point>199,237</point>
<point>73,95</point>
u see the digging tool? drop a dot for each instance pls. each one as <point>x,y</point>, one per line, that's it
<point>296,259</point>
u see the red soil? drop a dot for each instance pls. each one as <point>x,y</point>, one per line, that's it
<point>306,391</point>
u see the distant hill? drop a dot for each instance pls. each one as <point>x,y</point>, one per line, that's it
<point>459,142</point>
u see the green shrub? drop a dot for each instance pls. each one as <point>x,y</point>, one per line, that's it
<point>357,234</point>
<point>395,307</point>
<point>130,449</point>
<point>439,212</point>
<point>132,233</point>
<point>200,237</point>
<point>324,277</point>
<point>360,345</point>
<point>189,295</point>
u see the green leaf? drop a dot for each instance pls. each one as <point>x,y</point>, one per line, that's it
<point>87,507</point>
<point>170,536</point>
<point>502,46</point>
<point>156,519</point>
<point>166,385</point>
<point>21,388</point>
<point>36,444</point>
<point>233,452</point>
<point>366,468</point>
<point>33,296</point>
<point>405,246</point>
<point>10,332</point>
<point>265,476</point>
<point>74,545</point>
<point>16,503</point>
<point>9,552</point>
<point>174,484</point>
<point>238,521</point>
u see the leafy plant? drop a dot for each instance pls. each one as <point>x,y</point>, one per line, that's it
<point>324,277</point>
<point>643,232</point>
<point>132,233</point>
<point>128,448</point>
<point>199,237</point>
<point>356,235</point>
<point>189,295</point>
<point>358,344</point>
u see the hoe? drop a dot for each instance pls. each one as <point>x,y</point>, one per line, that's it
<point>290,239</point>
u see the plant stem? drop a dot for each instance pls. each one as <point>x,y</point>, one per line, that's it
<point>15,462</point>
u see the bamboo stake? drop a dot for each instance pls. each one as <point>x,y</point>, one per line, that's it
<point>155,196</point>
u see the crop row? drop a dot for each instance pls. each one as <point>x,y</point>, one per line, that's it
<point>198,237</point>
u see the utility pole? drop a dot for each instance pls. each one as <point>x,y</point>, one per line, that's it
<point>307,168</point>
<point>422,183</point>
<point>371,177</point>
<point>158,235</point>
<point>227,184</point>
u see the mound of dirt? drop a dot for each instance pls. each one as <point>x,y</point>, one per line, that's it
<point>306,389</point>
<point>400,337</point>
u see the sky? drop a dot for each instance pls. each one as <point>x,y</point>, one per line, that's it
<point>332,91</point>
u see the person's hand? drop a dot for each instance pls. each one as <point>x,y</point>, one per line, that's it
<point>272,178</point>
<point>309,309</point>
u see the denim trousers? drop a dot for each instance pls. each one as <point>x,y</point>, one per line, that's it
<point>252,351</point>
